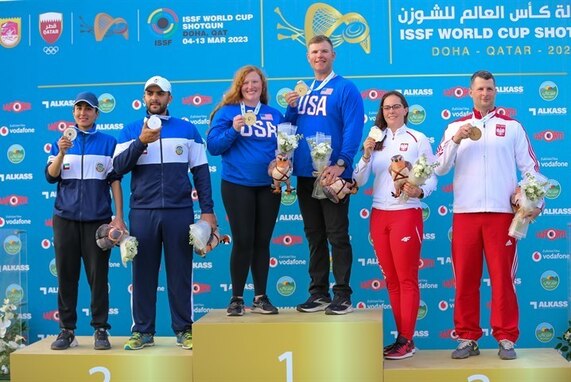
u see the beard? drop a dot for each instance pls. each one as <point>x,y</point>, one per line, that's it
<point>157,109</point>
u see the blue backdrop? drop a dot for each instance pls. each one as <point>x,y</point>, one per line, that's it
<point>426,49</point>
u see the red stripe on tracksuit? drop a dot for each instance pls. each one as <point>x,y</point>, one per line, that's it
<point>477,236</point>
<point>397,239</point>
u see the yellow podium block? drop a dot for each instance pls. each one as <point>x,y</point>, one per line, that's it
<point>531,365</point>
<point>162,362</point>
<point>290,346</point>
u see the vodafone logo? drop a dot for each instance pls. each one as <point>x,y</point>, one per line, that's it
<point>136,104</point>
<point>364,213</point>
<point>445,114</point>
<point>46,244</point>
<point>4,131</point>
<point>443,306</point>
<point>273,262</point>
<point>361,305</point>
<point>47,148</point>
<point>442,210</point>
<point>536,256</point>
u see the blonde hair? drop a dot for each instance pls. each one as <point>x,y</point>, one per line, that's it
<point>234,95</point>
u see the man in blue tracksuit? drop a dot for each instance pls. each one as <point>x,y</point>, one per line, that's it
<point>161,211</point>
<point>332,106</point>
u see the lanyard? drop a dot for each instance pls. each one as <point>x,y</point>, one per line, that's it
<point>325,81</point>
<point>256,109</point>
<point>484,119</point>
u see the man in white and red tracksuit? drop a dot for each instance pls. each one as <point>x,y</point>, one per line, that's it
<point>484,180</point>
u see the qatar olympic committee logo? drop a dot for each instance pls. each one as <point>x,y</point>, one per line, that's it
<point>163,22</point>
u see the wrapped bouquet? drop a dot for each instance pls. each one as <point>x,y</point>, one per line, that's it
<point>320,151</point>
<point>280,168</point>
<point>528,196</point>
<point>108,236</point>
<point>421,170</point>
<point>204,239</point>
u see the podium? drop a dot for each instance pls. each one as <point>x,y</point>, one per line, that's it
<point>288,347</point>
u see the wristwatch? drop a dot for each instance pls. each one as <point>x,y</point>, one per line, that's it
<point>341,163</point>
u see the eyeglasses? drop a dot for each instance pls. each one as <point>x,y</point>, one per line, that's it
<point>396,106</point>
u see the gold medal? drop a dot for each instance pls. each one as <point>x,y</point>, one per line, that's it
<point>475,133</point>
<point>249,118</point>
<point>70,133</point>
<point>301,88</point>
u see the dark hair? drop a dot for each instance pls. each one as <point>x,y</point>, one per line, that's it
<point>319,39</point>
<point>484,74</point>
<point>380,121</point>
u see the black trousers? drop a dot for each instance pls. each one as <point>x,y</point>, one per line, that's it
<point>326,223</point>
<point>74,241</point>
<point>252,213</point>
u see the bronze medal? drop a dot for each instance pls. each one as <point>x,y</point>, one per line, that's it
<point>249,118</point>
<point>475,133</point>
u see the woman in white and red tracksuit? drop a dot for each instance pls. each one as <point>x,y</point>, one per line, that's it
<point>396,225</point>
<point>484,179</point>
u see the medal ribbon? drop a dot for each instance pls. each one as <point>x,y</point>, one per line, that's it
<point>484,119</point>
<point>256,109</point>
<point>325,81</point>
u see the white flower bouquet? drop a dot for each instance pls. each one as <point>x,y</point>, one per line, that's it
<point>288,140</point>
<point>281,167</point>
<point>528,196</point>
<point>204,239</point>
<point>421,170</point>
<point>320,151</point>
<point>11,339</point>
<point>129,248</point>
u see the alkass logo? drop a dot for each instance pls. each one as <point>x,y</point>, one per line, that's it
<point>60,125</point>
<point>549,135</point>
<point>373,94</point>
<point>14,200</point>
<point>197,100</point>
<point>287,240</point>
<point>552,234</point>
<point>51,26</point>
<point>457,92</point>
<point>17,106</point>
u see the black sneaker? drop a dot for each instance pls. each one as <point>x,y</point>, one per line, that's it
<point>315,303</point>
<point>65,340</point>
<point>236,307</point>
<point>101,339</point>
<point>340,305</point>
<point>264,306</point>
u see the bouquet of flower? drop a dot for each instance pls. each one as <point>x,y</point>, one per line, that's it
<point>564,347</point>
<point>288,140</point>
<point>280,169</point>
<point>527,196</point>
<point>320,151</point>
<point>421,170</point>
<point>11,328</point>
<point>129,248</point>
<point>204,239</point>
